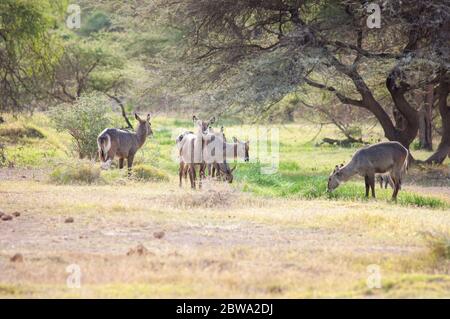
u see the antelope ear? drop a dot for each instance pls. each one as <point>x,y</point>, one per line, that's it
<point>148,117</point>
<point>137,117</point>
<point>342,165</point>
<point>194,118</point>
<point>235,139</point>
<point>212,120</point>
<point>221,129</point>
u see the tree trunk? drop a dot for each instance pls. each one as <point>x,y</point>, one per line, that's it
<point>408,130</point>
<point>444,146</point>
<point>425,104</point>
<point>408,133</point>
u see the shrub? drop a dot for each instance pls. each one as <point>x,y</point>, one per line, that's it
<point>84,121</point>
<point>82,172</point>
<point>15,133</point>
<point>439,244</point>
<point>149,173</point>
<point>96,22</point>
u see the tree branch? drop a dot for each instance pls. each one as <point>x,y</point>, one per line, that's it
<point>340,96</point>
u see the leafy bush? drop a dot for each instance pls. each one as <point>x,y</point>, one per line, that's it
<point>81,172</point>
<point>96,22</point>
<point>149,173</point>
<point>84,121</point>
<point>14,133</point>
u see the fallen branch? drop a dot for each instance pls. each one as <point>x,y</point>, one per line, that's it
<point>345,143</point>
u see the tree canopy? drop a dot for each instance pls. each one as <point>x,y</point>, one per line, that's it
<point>253,52</point>
<point>27,49</point>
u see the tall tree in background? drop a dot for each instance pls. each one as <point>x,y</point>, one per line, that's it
<point>443,90</point>
<point>269,48</point>
<point>27,50</point>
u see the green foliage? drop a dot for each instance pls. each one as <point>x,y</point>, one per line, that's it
<point>96,22</point>
<point>80,172</point>
<point>88,66</point>
<point>149,173</point>
<point>84,121</point>
<point>13,134</point>
<point>27,50</point>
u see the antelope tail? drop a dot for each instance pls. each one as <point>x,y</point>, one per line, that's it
<point>406,163</point>
<point>404,169</point>
<point>104,145</point>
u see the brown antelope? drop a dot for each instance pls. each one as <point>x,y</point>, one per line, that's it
<point>385,179</point>
<point>191,151</point>
<point>237,150</point>
<point>124,144</point>
<point>216,152</point>
<point>212,167</point>
<point>379,158</point>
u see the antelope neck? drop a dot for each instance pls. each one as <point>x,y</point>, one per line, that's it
<point>141,134</point>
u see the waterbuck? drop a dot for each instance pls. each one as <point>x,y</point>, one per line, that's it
<point>237,150</point>
<point>190,147</point>
<point>386,157</point>
<point>385,179</point>
<point>124,144</point>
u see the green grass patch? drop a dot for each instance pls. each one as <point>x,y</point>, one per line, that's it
<point>312,186</point>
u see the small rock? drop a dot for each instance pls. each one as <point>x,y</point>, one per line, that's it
<point>16,214</point>
<point>69,220</point>
<point>158,234</point>
<point>17,258</point>
<point>6,217</point>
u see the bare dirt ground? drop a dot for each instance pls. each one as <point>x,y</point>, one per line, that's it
<point>155,240</point>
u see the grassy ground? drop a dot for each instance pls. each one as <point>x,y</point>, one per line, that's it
<point>275,235</point>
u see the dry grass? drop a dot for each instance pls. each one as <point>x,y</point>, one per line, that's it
<point>263,236</point>
<point>218,242</point>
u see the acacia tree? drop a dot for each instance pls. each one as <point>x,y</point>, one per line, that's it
<point>27,50</point>
<point>269,48</point>
<point>87,67</point>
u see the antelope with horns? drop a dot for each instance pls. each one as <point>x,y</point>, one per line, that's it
<point>124,144</point>
<point>190,146</point>
<point>386,157</point>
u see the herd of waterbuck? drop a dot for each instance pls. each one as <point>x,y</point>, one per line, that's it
<point>208,151</point>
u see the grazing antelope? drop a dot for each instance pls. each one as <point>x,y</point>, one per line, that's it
<point>217,151</point>
<point>387,157</point>
<point>385,179</point>
<point>191,151</point>
<point>237,150</point>
<point>124,144</point>
<point>224,171</point>
<point>212,167</point>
